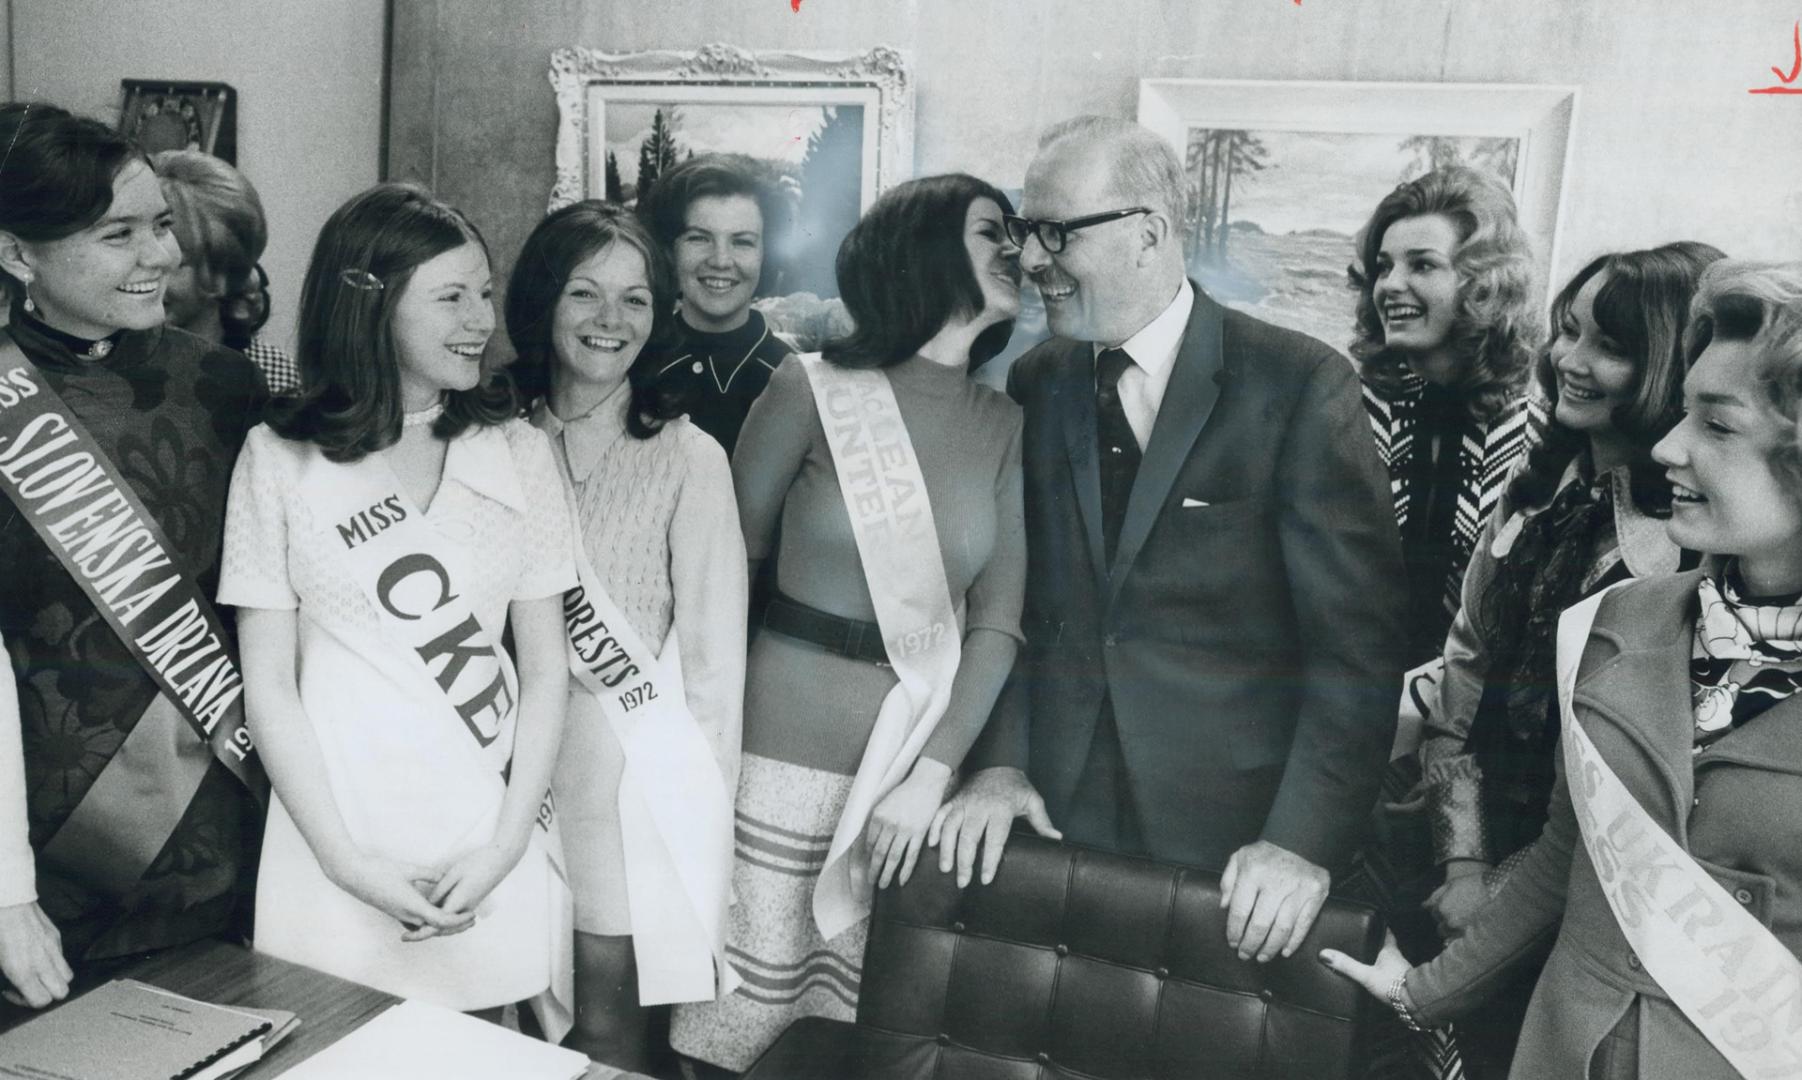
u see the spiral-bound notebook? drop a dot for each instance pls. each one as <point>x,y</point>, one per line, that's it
<point>127,1030</point>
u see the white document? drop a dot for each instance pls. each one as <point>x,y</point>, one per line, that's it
<point>414,1039</point>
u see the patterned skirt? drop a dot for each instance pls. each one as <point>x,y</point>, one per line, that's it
<point>784,822</point>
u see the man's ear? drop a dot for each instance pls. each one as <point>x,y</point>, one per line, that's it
<point>14,258</point>
<point>1155,237</point>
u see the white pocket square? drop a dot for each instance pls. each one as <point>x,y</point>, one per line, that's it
<point>1187,503</point>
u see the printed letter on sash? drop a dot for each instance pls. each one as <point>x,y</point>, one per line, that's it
<point>897,542</point>
<point>402,566</point>
<point>91,519</point>
<point>1734,980</point>
<point>675,813</point>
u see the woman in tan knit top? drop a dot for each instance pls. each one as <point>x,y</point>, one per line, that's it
<point>653,497</point>
<point>933,284</point>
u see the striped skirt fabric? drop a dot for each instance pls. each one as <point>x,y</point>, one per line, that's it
<point>785,817</point>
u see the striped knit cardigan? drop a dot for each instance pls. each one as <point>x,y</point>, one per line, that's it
<point>1487,454</point>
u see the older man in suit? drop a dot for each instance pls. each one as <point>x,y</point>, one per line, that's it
<point>1213,611</point>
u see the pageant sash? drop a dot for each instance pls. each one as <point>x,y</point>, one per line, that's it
<point>398,560</point>
<point>675,813</point>
<point>885,495</point>
<point>1731,977</point>
<point>85,512</point>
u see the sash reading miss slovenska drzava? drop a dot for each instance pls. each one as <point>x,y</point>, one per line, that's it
<point>885,496</point>
<point>401,565</point>
<point>1729,975</point>
<point>675,814</point>
<point>81,506</point>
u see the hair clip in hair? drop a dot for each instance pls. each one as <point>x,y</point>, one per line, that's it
<point>361,280</point>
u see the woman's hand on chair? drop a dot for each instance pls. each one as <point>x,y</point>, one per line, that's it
<point>897,829</point>
<point>399,890</point>
<point>1377,976</point>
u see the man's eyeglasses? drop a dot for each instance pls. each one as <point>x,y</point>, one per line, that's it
<point>1052,234</point>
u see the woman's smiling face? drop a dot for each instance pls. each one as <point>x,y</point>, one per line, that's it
<point>1595,376</point>
<point>1416,289</point>
<point>603,316</point>
<point>111,275</point>
<point>1728,499</point>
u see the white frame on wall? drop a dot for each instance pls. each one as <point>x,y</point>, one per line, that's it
<point>1542,117</point>
<point>586,80</point>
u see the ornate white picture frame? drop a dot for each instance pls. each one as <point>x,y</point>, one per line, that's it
<point>833,130</point>
<point>1284,173</point>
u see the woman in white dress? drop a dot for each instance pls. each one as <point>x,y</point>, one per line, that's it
<point>383,530</point>
<point>589,302</point>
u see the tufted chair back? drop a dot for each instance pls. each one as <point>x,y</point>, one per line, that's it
<point>1086,965</point>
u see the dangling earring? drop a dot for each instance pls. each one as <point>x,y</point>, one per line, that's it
<point>25,287</point>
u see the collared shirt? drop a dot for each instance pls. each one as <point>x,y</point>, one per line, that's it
<point>588,436</point>
<point>1153,350</point>
<point>717,376</point>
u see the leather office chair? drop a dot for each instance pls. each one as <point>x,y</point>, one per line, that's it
<point>1076,963</point>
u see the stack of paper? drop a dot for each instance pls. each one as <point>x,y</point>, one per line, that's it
<point>416,1039</point>
<point>128,1030</point>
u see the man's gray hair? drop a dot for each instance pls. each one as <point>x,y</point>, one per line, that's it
<point>1145,168</point>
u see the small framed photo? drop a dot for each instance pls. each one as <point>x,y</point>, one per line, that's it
<point>162,115</point>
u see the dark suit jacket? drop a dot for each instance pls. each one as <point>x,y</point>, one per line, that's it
<point>1249,628</point>
<point>1736,808</point>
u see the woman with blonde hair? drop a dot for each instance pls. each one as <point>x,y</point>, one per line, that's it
<point>1446,335</point>
<point>1445,341</point>
<point>1669,867</point>
<point>220,291</point>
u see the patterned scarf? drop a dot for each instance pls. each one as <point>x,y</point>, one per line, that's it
<point>1542,573</point>
<point>1746,656</point>
<point>1404,425</point>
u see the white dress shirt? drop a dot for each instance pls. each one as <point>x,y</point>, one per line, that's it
<point>1153,350</point>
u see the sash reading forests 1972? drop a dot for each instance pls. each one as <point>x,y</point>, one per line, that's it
<point>675,813</point>
<point>397,559</point>
<point>1729,975</point>
<point>85,512</point>
<point>897,542</point>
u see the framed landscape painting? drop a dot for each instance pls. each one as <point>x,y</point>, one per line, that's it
<point>1281,175</point>
<point>829,131</point>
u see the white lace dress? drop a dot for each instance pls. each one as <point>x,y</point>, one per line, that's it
<point>404,788</point>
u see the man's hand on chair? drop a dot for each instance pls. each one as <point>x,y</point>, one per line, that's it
<point>980,815</point>
<point>1273,896</point>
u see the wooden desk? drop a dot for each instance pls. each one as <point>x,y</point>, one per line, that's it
<point>329,1007</point>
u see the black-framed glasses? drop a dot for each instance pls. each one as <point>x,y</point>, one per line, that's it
<point>1053,234</point>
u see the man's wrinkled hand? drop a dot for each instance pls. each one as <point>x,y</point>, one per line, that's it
<point>979,817</point>
<point>1272,897</point>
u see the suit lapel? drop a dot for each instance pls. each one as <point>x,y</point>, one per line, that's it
<point>1074,394</point>
<point>1188,401</point>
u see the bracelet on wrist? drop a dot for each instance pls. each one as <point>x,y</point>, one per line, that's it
<point>1400,1004</point>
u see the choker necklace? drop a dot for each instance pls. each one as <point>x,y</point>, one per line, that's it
<point>81,348</point>
<point>423,416</point>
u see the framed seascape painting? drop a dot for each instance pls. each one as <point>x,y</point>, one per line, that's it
<point>1283,174</point>
<point>830,131</point>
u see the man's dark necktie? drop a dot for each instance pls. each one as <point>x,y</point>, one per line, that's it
<point>1118,448</point>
